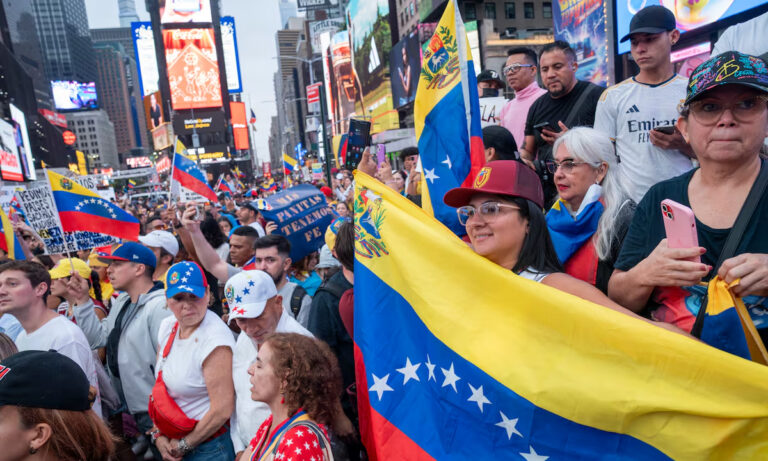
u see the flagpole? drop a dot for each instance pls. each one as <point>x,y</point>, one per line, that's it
<point>461,42</point>
<point>170,177</point>
<point>58,218</point>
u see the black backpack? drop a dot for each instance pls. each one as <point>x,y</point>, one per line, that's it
<point>296,297</point>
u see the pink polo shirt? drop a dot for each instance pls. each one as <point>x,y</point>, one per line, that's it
<point>515,112</point>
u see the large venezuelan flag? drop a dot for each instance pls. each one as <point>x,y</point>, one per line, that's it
<point>447,117</point>
<point>81,209</point>
<point>460,359</point>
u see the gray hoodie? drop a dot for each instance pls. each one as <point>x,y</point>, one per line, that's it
<point>137,349</point>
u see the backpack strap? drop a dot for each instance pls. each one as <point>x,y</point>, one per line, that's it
<point>735,235</point>
<point>296,298</point>
<point>591,88</point>
<point>333,288</point>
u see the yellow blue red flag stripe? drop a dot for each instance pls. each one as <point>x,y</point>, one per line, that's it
<point>289,163</point>
<point>447,117</point>
<point>458,358</point>
<point>10,242</point>
<point>81,209</point>
<point>188,175</point>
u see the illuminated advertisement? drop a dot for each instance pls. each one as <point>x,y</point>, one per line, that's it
<point>209,154</point>
<point>185,11</point>
<point>10,167</point>
<point>690,14</point>
<point>202,121</point>
<point>193,69</point>
<point>162,136</point>
<point>54,117</point>
<point>370,40</point>
<point>231,56</point>
<point>146,57</point>
<point>344,91</point>
<point>138,162</point>
<point>70,95</point>
<point>405,66</point>
<point>582,23</point>
<point>239,125</point>
<point>23,147</point>
<point>163,164</point>
<point>153,110</point>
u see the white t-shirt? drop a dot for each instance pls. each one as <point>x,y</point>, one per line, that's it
<point>258,228</point>
<point>183,368</point>
<point>749,37</point>
<point>223,251</point>
<point>66,338</point>
<point>249,414</point>
<point>627,112</point>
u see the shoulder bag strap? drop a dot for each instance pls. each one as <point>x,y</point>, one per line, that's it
<point>579,102</point>
<point>325,444</point>
<point>735,235</point>
<point>168,346</point>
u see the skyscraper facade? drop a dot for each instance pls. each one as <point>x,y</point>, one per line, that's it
<point>62,27</point>
<point>127,10</point>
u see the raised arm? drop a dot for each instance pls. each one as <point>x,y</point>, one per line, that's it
<point>206,254</point>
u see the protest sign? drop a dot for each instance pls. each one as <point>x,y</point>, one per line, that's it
<point>490,110</point>
<point>302,215</point>
<point>317,171</point>
<point>38,206</point>
<point>6,196</point>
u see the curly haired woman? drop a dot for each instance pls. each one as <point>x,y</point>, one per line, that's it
<point>299,378</point>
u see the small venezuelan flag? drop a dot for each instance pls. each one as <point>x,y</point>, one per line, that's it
<point>81,209</point>
<point>9,242</point>
<point>189,176</point>
<point>289,163</point>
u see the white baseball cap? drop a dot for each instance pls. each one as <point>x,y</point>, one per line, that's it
<point>161,239</point>
<point>247,294</point>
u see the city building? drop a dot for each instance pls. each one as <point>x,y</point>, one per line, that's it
<point>119,89</point>
<point>62,27</point>
<point>127,10</point>
<point>288,10</point>
<point>95,137</point>
<point>407,17</point>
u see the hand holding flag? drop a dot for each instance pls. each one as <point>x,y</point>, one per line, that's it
<point>189,176</point>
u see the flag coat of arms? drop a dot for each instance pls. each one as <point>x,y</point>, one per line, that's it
<point>457,358</point>
<point>447,117</point>
<point>81,209</point>
<point>189,176</point>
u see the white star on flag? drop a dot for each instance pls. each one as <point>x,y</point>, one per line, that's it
<point>478,397</point>
<point>409,371</point>
<point>431,369</point>
<point>430,175</point>
<point>77,208</point>
<point>380,385</point>
<point>509,425</point>
<point>450,378</point>
<point>447,161</point>
<point>533,456</point>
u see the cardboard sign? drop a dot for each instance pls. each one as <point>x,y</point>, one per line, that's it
<point>490,110</point>
<point>302,215</point>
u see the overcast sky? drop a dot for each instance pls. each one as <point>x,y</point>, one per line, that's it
<point>256,27</point>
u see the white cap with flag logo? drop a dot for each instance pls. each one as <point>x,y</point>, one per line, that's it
<point>248,292</point>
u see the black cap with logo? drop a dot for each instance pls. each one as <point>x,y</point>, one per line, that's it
<point>653,19</point>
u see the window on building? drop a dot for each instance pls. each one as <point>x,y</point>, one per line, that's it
<point>546,10</point>
<point>509,10</point>
<point>413,9</point>
<point>470,11</point>
<point>490,11</point>
<point>528,10</point>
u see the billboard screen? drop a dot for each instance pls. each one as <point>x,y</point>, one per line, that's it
<point>193,69</point>
<point>146,57</point>
<point>153,110</point>
<point>239,125</point>
<point>23,147</point>
<point>70,95</point>
<point>405,66</point>
<point>370,40</point>
<point>582,24</point>
<point>162,136</point>
<point>54,117</point>
<point>690,15</point>
<point>343,89</point>
<point>10,167</point>
<point>202,121</point>
<point>231,56</point>
<point>185,11</point>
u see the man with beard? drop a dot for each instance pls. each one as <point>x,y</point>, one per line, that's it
<point>271,256</point>
<point>568,102</point>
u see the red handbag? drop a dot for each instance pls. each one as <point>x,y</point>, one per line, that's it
<point>168,417</point>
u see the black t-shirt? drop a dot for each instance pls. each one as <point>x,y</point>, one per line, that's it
<point>647,230</point>
<point>547,109</point>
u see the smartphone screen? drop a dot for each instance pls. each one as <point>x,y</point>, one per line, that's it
<point>381,154</point>
<point>358,139</point>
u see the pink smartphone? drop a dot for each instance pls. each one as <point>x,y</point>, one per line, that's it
<point>680,226</point>
<point>381,154</point>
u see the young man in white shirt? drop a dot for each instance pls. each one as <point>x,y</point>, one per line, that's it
<point>24,288</point>
<point>633,111</point>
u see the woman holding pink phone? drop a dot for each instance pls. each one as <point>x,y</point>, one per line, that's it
<point>725,120</point>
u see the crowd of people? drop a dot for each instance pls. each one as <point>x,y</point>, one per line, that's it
<point>204,340</point>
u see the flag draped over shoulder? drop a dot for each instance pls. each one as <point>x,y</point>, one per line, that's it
<point>188,175</point>
<point>9,242</point>
<point>81,209</point>
<point>447,117</point>
<point>458,358</point>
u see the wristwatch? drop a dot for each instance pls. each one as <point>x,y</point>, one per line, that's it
<point>154,434</point>
<point>184,447</point>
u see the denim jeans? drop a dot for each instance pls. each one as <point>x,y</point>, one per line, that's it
<point>218,449</point>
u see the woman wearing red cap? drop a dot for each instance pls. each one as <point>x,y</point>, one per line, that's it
<point>502,213</point>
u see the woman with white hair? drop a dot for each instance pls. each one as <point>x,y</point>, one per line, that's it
<point>591,217</point>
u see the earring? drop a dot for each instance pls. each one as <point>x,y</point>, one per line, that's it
<point>282,399</point>
<point>32,451</point>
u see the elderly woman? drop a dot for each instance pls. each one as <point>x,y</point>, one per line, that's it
<point>591,217</point>
<point>45,411</point>
<point>299,378</point>
<point>193,396</point>
<point>725,120</point>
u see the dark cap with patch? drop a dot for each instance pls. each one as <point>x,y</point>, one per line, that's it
<point>653,19</point>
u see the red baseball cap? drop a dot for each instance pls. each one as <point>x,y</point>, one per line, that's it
<point>502,177</point>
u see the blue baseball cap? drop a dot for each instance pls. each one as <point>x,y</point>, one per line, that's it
<point>133,252</point>
<point>185,277</point>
